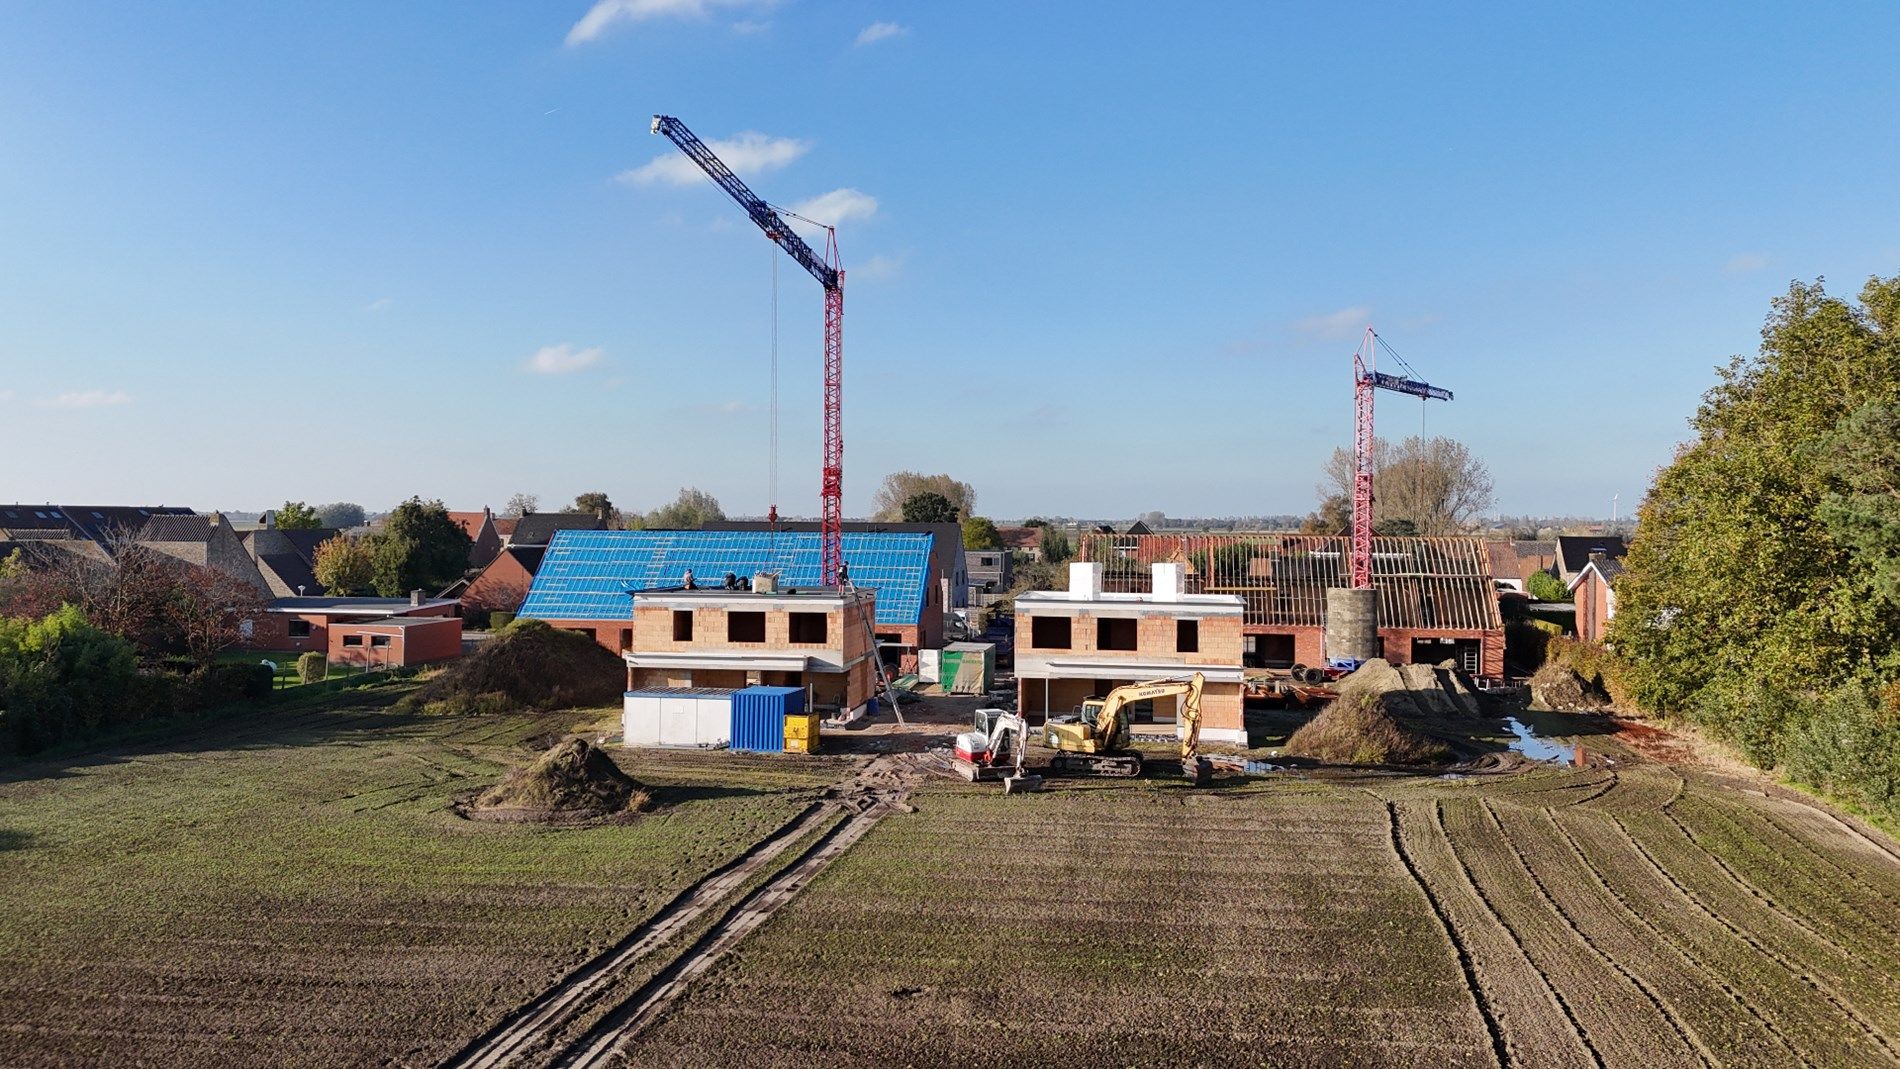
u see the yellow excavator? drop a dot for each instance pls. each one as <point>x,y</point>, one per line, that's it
<point>1093,741</point>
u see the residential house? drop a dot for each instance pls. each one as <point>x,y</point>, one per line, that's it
<point>394,641</point>
<point>302,624</point>
<point>815,638</point>
<point>287,559</point>
<point>990,575</point>
<point>1514,562</point>
<point>485,539</point>
<point>1085,641</point>
<point>586,578</point>
<point>502,586</point>
<point>204,542</point>
<point>1593,591</point>
<point>1576,551</point>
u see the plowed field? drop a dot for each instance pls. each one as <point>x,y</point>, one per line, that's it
<point>296,890</point>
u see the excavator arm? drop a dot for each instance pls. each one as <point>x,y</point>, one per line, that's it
<point>1109,722</point>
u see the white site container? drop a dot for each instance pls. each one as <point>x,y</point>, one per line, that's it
<point>929,665</point>
<point>686,716</point>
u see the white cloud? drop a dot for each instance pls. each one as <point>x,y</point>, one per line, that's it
<point>87,399</point>
<point>1335,326</point>
<point>378,305</point>
<point>1744,262</point>
<point>879,31</point>
<point>747,27</point>
<point>608,13</point>
<point>835,207</point>
<point>878,268</point>
<point>562,359</point>
<point>747,153</point>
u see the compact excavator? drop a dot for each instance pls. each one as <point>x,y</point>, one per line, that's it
<point>1093,741</point>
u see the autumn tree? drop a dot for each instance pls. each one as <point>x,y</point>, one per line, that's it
<point>1435,483</point>
<point>1053,545</point>
<point>1333,517</point>
<point>207,608</point>
<point>297,516</point>
<point>692,508</point>
<point>901,486</point>
<point>343,566</point>
<point>520,504</point>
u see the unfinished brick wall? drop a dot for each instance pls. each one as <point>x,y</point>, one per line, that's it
<point>1155,634</point>
<point>1221,704</point>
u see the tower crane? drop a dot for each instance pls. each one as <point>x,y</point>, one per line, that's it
<point>829,271</point>
<point>1365,379</point>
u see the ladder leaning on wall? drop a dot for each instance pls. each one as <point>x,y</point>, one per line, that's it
<point>877,663</point>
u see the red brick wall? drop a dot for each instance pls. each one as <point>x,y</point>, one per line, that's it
<point>1309,644</point>
<point>407,645</point>
<point>1593,608</point>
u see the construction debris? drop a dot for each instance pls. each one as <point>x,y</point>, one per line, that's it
<point>1558,688</point>
<point>1423,691</point>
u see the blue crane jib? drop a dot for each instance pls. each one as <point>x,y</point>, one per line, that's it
<point>762,213</point>
<point>1412,386</point>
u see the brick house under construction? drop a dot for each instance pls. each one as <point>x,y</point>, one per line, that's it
<point>814,638</point>
<point>1085,641</point>
<point>1437,597</point>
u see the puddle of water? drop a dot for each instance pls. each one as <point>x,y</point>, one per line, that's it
<point>1535,746</point>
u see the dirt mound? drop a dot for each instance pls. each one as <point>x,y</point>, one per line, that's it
<point>573,781</point>
<point>1423,691</point>
<point>1360,729</point>
<point>1560,688</point>
<point>528,664</point>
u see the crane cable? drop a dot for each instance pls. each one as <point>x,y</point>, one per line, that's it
<point>1410,370</point>
<point>771,488</point>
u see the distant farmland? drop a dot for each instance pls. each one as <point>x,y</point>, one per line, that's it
<point>295,892</point>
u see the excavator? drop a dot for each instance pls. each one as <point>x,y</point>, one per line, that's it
<point>1093,741</point>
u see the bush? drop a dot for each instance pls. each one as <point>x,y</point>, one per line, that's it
<point>61,678</point>
<point>499,620</point>
<point>477,619</point>
<point>220,684</point>
<point>312,667</point>
<point>1597,664</point>
<point>1546,587</point>
<point>1848,744</point>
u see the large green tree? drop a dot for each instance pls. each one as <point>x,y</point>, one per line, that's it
<point>929,507</point>
<point>419,548</point>
<point>344,565</point>
<point>979,532</point>
<point>1764,555</point>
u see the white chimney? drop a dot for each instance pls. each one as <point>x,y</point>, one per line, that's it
<point>1167,582</point>
<point>1085,581</point>
<point>415,597</point>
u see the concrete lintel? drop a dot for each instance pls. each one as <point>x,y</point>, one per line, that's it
<point>1032,667</point>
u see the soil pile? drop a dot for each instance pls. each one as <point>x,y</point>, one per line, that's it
<point>1560,688</point>
<point>528,664</point>
<point>1422,691</point>
<point>1360,729</point>
<point>571,782</point>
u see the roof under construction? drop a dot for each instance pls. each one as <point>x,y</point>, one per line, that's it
<point>1424,584</point>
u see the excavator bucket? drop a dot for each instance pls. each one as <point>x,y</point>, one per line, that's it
<point>1198,770</point>
<point>1022,783</point>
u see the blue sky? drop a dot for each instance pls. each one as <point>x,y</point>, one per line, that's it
<point>1096,264</point>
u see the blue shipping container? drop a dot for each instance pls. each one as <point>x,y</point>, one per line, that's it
<point>758,717</point>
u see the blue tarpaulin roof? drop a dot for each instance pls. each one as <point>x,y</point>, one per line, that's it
<point>587,575</point>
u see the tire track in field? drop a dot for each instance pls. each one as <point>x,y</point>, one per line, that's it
<point>1541,904</point>
<point>1683,952</point>
<point>530,1023</point>
<point>604,1043</point>
<point>1499,1048</point>
<point>1529,1023</point>
<point>1803,973</point>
